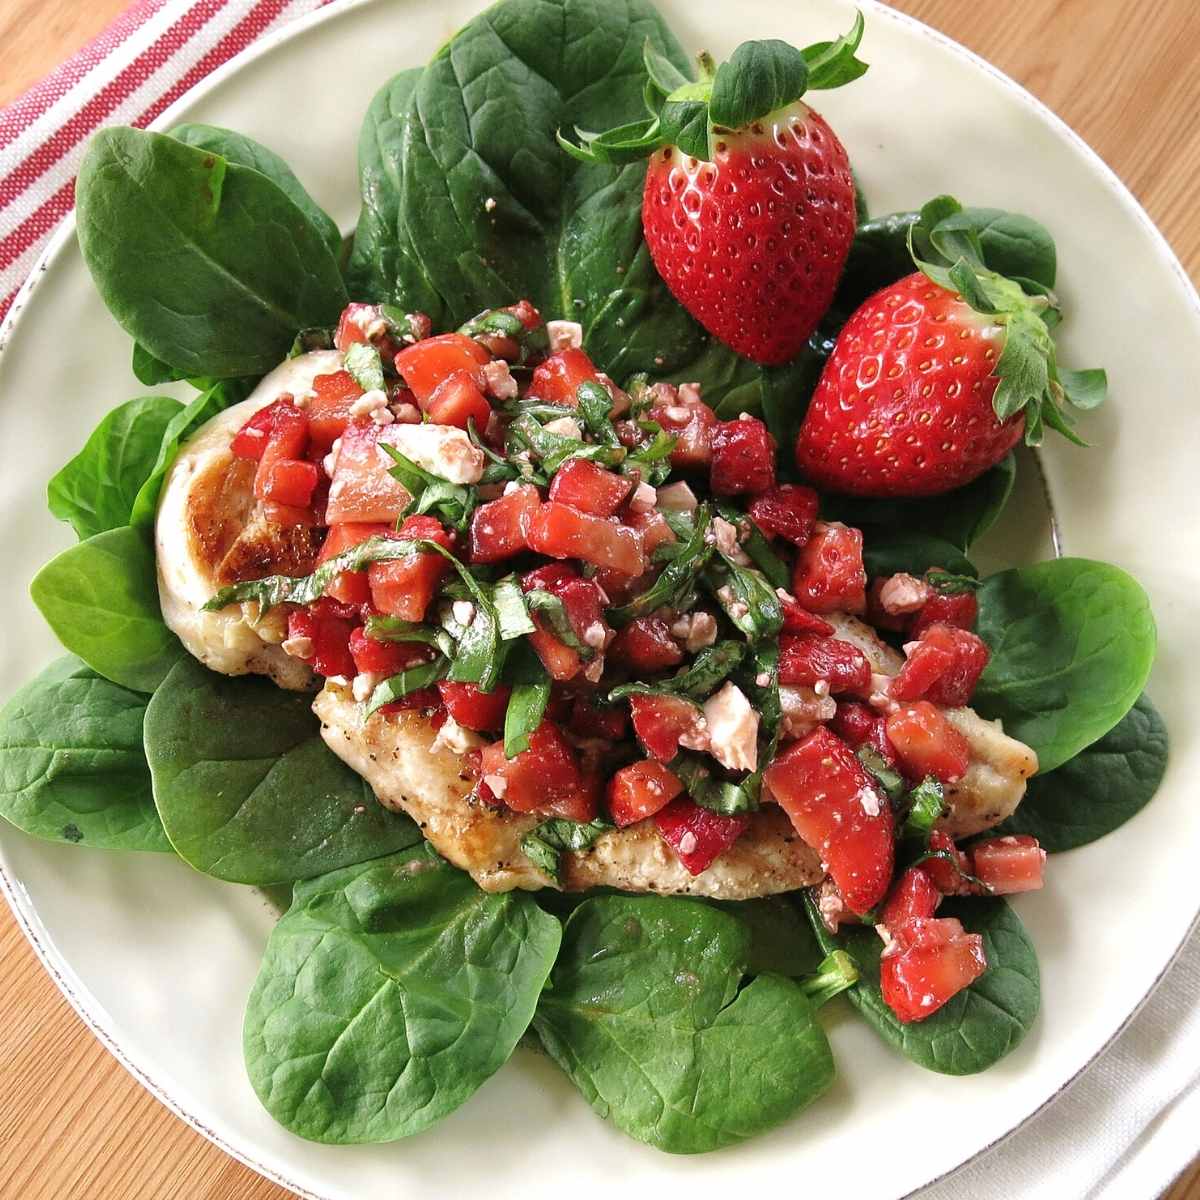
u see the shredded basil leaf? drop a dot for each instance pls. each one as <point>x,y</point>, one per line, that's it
<point>527,702</point>
<point>412,679</point>
<point>717,795</point>
<point>511,611</point>
<point>888,778</point>
<point>676,586</point>
<point>363,364</point>
<point>544,844</point>
<point>431,493</point>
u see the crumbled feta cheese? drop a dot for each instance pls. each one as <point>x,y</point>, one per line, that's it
<point>565,427</point>
<point>903,593</point>
<point>375,329</point>
<point>724,535</point>
<point>497,785</point>
<point>763,679</point>
<point>677,497</point>
<point>644,498</point>
<point>868,797</point>
<point>499,379</point>
<point>725,594</point>
<point>732,729</point>
<point>880,694</point>
<point>594,635</point>
<point>594,670</point>
<point>738,610</point>
<point>453,737</point>
<point>407,414</point>
<point>689,393</point>
<point>697,736</point>
<point>688,843</point>
<point>703,632</point>
<point>302,399</point>
<point>463,612</point>
<point>369,403</point>
<point>889,944</point>
<point>821,687</point>
<point>490,204</point>
<point>442,449</point>
<point>330,461</point>
<point>383,416</point>
<point>803,709</point>
<point>564,335</point>
<point>830,905</point>
<point>678,413</point>
<point>298,647</point>
<point>363,685</point>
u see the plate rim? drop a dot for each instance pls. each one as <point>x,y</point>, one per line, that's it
<point>91,1012</point>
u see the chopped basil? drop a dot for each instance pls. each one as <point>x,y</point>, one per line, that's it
<point>676,586</point>
<point>554,613</point>
<point>748,599</point>
<point>763,697</point>
<point>363,364</point>
<point>756,546</point>
<point>697,680</point>
<point>527,703</point>
<point>553,449</point>
<point>926,803</point>
<point>544,844</point>
<point>400,324</point>
<point>717,795</point>
<point>413,679</point>
<point>393,629</point>
<point>511,612</point>
<point>506,324</point>
<point>888,778</point>
<point>316,337</point>
<point>595,407</point>
<point>451,502</point>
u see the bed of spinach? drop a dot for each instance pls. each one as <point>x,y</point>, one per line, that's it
<point>246,788</point>
<point>972,1030</point>
<point>388,993</point>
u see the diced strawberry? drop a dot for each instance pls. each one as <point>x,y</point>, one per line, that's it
<point>584,606</point>
<point>640,790</point>
<point>837,809</point>
<point>500,528</point>
<point>743,457</point>
<point>251,440</point>
<point>591,720</point>
<point>561,661</point>
<point>653,529</point>
<point>287,439</point>
<point>290,481</point>
<point>944,666</point>
<point>806,659</point>
<point>557,379</point>
<point>329,410</point>
<point>374,657</point>
<point>691,422</point>
<point>661,721</point>
<point>697,835</point>
<point>645,646</point>
<point>426,363</point>
<point>457,401</point>
<point>589,488</point>
<point>913,895</point>
<point>404,587</point>
<point>879,616</point>
<point>353,324</point>
<point>472,708</point>
<point>927,744</point>
<point>1009,864</point>
<point>350,587</point>
<point>926,663</point>
<point>787,511</point>
<point>930,961</point>
<point>830,576</point>
<point>559,531</point>
<point>330,638</point>
<point>799,620</point>
<point>362,489</point>
<point>960,610</point>
<point>549,577</point>
<point>947,876</point>
<point>545,778</point>
<point>289,514</point>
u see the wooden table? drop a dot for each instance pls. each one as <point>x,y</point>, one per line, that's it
<point>73,1124</point>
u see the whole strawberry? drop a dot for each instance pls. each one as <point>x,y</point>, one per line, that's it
<point>748,209</point>
<point>936,378</point>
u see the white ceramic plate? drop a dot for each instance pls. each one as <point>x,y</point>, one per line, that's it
<point>159,960</point>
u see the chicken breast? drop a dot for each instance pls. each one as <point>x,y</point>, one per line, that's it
<point>398,757</point>
<point>210,532</point>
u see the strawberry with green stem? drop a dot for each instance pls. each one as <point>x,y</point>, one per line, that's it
<point>748,208</point>
<point>935,378</point>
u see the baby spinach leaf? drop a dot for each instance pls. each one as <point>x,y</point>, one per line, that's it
<point>101,599</point>
<point>97,489</point>
<point>1072,644</point>
<point>246,788</point>
<point>889,552</point>
<point>245,151</point>
<point>150,370</point>
<point>71,762</point>
<point>1102,787</point>
<point>980,1025</point>
<point>206,263</point>
<point>646,1012</point>
<point>388,993</point>
<point>781,939</point>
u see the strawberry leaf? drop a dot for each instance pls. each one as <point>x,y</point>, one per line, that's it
<point>758,78</point>
<point>665,76</point>
<point>833,64</point>
<point>685,124</point>
<point>1084,389</point>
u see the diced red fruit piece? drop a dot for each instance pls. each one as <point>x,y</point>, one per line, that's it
<point>374,657</point>
<point>926,663</point>
<point>652,528</point>
<point>959,610</point>
<point>837,809</point>
<point>286,439</point>
<point>500,528</point>
<point>362,489</point>
<point>291,482</point>
<point>1009,864</point>
<point>561,661</point>
<point>646,645</point>
<point>472,708</point>
<point>557,379</point>
<point>858,725</point>
<point>970,656</point>
<point>932,960</point>
<point>787,511</point>
<point>459,400</point>
<point>691,423</point>
<point>329,410</point>
<point>549,577</point>
<point>330,637</point>
<point>878,616</point>
<point>829,575</point>
<point>743,457</point>
<point>948,877</point>
<point>353,323</point>
<point>640,790</point>
<point>927,744</point>
<point>591,720</point>
<point>589,488</point>
<point>350,587</point>
<point>912,895</point>
<point>799,620</point>
<point>426,363</point>
<point>698,835</point>
<point>545,778</point>
<point>660,721</point>
<point>525,312</point>
<point>806,659</point>
<point>251,440</point>
<point>560,531</point>
<point>404,587</point>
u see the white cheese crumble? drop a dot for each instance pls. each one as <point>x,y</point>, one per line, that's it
<point>593,635</point>
<point>463,612</point>
<point>363,685</point>
<point>565,427</point>
<point>904,593</point>
<point>499,380</point>
<point>724,535</point>
<point>298,647</point>
<point>453,737</point>
<point>564,335</point>
<point>732,729</point>
<point>369,403</point>
<point>442,449</point>
<point>407,414</point>
<point>677,497</point>
<point>644,498</point>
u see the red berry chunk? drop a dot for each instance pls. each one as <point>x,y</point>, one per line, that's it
<point>287,439</point>
<point>560,660</point>
<point>927,744</point>
<point>947,875</point>
<point>944,666</point>
<point>559,531</point>
<point>375,657</point>
<point>589,488</point>
<point>426,363</point>
<point>473,709</point>
<point>788,511</point>
<point>697,835</point>
<point>646,645</point>
<point>914,895</point>
<point>653,529</point>
<point>251,440</point>
<point>404,587</point>
<point>591,720</point>
<point>806,659</point>
<point>640,790</point>
<point>743,457</point>
<point>558,378</point>
<point>800,620</point>
<point>1009,864</point>
<point>329,410</point>
<point>350,587</point>
<point>330,638</point>
<point>926,663</point>
<point>290,481</point>
<point>353,324</point>
<point>830,576</point>
<point>930,961</point>
<point>457,401</point>
<point>836,808</point>
<point>960,610</point>
<point>661,721</point>
<point>691,423</point>
<point>500,528</point>
<point>362,489</point>
<point>545,778</point>
<point>858,725</point>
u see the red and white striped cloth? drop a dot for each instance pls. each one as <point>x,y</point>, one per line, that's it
<point>143,62</point>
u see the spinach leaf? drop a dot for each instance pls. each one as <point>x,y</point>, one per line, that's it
<point>97,489</point>
<point>781,939</point>
<point>646,1012</point>
<point>1072,644</point>
<point>246,152</point>
<point>886,553</point>
<point>71,762</point>
<point>980,1025</point>
<point>388,993</point>
<point>150,370</point>
<point>246,788</point>
<point>208,264</point>
<point>101,599</point>
<point>1102,787</point>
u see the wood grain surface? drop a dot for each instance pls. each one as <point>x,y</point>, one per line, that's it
<point>73,1124</point>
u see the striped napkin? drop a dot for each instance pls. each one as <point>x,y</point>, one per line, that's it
<point>1127,1126</point>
